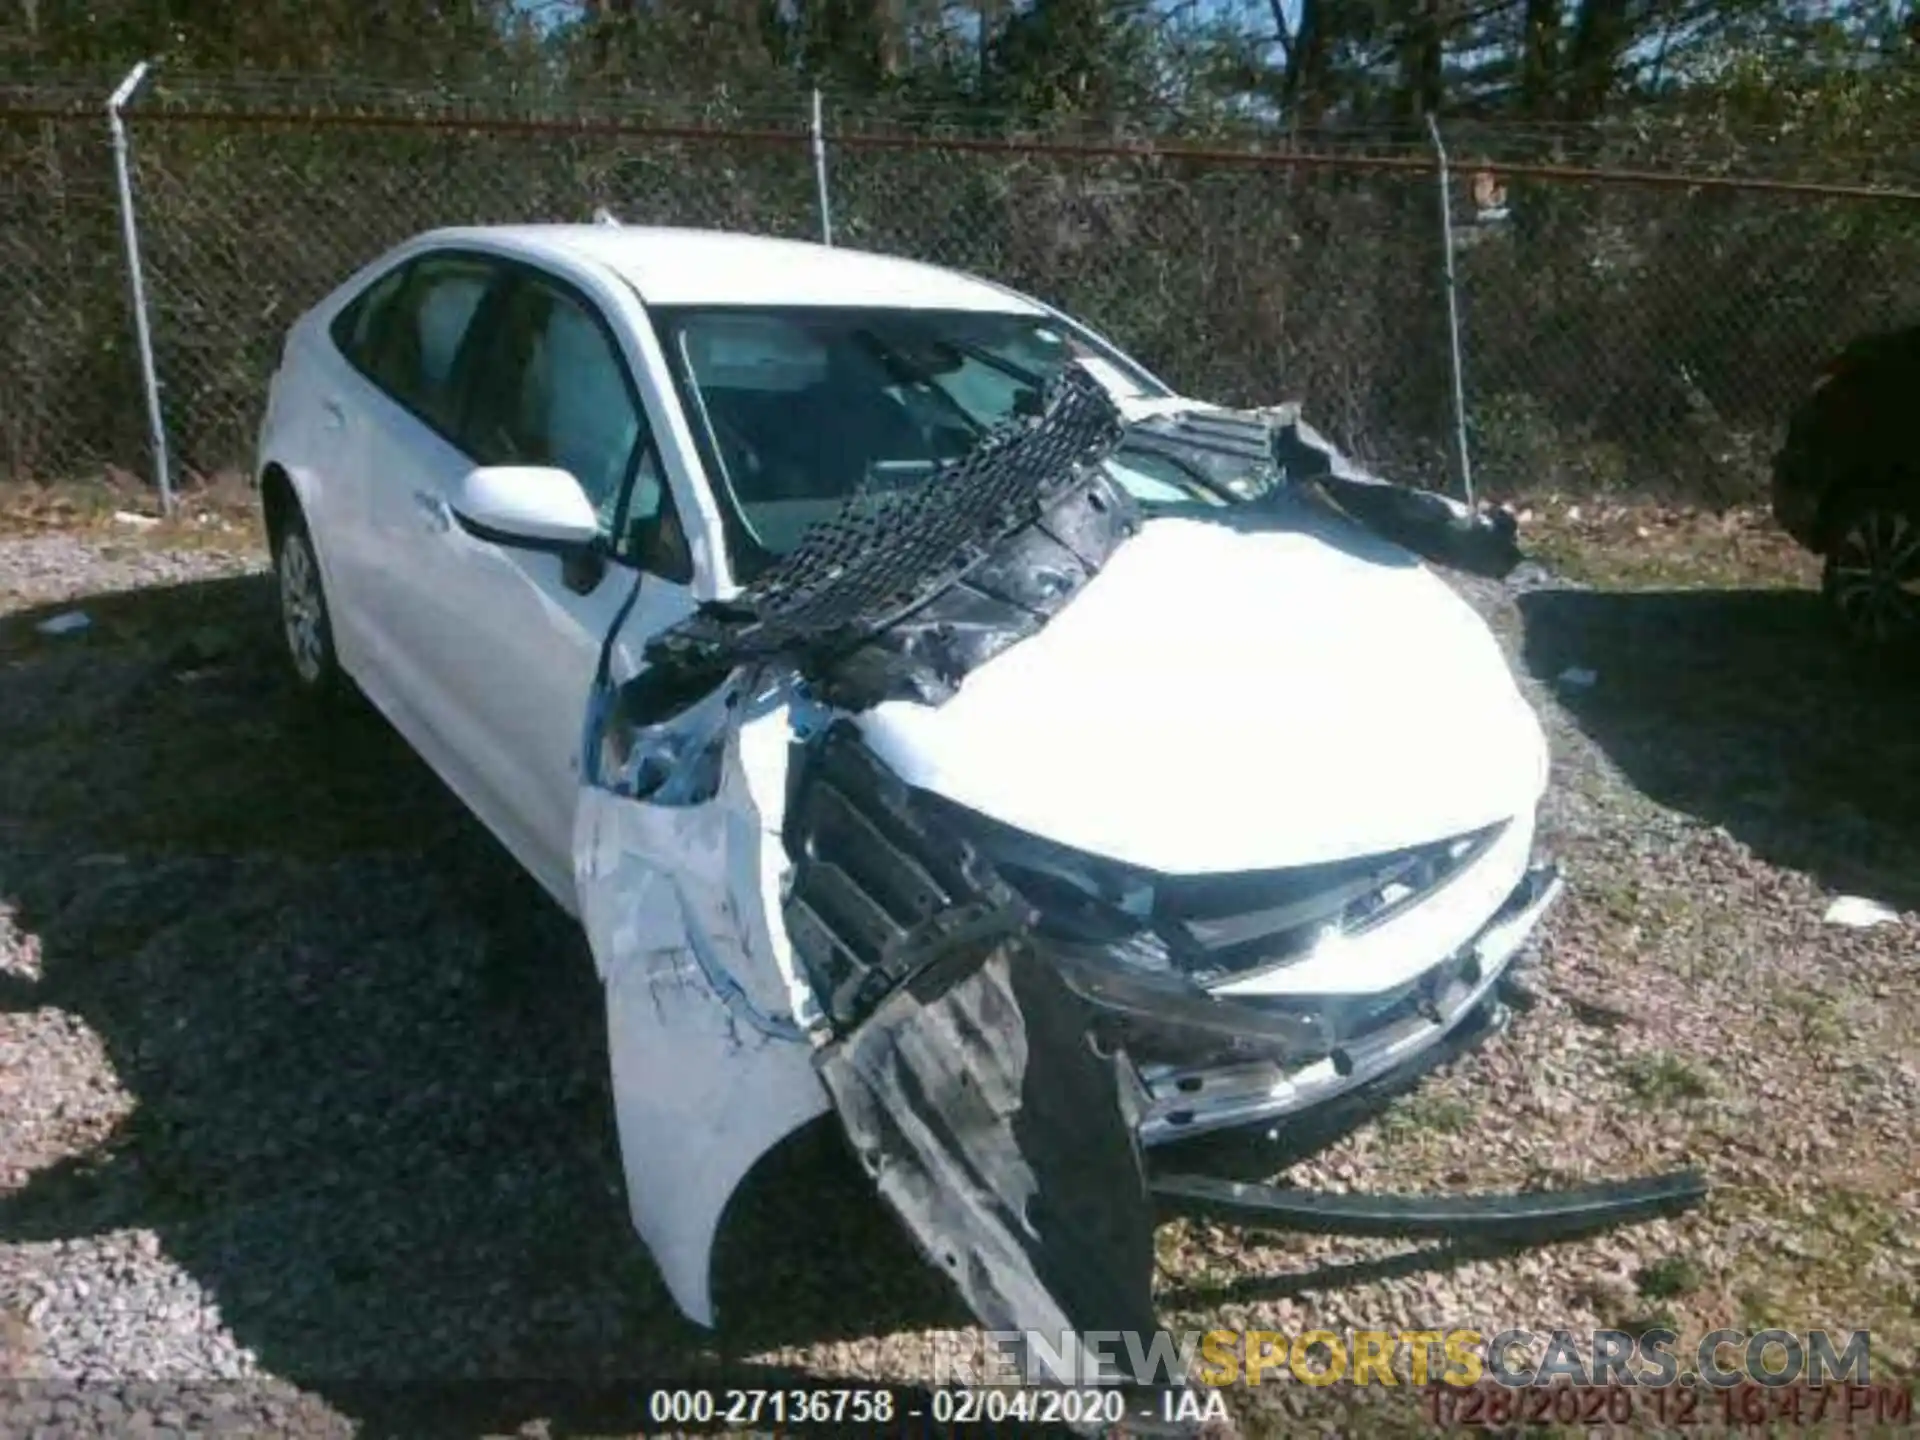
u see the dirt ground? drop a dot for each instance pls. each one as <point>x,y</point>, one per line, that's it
<point>303,1087</point>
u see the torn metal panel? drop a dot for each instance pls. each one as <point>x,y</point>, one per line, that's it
<point>962,1065</point>
<point>676,869</point>
<point>699,1096</point>
<point>669,851</point>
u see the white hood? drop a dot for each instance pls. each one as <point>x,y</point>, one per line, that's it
<point>1216,701</point>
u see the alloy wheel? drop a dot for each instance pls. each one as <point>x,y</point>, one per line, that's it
<point>302,609</point>
<point>1874,575</point>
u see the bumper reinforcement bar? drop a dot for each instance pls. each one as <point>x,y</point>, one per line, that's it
<point>1518,1219</point>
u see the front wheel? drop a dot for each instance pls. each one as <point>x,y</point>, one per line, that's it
<point>1872,572</point>
<point>304,618</point>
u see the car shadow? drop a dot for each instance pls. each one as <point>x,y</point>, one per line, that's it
<point>1746,710</point>
<point>363,1054</point>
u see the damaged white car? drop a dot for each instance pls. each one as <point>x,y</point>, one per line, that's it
<point>980,741</point>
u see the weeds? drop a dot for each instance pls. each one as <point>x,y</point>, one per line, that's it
<point>1664,1078</point>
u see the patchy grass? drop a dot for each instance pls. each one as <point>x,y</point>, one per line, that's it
<point>1425,1114</point>
<point>1809,1015</point>
<point>1664,1079</point>
<point>219,513</point>
<point>1642,547</point>
<point>1667,1278</point>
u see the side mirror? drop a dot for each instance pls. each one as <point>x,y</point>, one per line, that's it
<point>527,507</point>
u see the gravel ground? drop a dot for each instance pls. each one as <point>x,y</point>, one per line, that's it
<point>302,1095</point>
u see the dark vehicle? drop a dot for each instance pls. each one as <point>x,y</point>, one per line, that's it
<point>1846,484</point>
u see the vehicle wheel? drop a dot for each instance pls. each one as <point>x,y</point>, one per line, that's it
<point>1872,572</point>
<point>304,620</point>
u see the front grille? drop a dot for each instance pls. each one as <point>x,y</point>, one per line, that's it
<point>1220,926</point>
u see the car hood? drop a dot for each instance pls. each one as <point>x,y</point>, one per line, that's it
<point>1219,700</point>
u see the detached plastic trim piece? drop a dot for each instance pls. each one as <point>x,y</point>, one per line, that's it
<point>1523,1218</point>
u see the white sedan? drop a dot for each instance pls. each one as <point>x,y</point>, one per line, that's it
<point>1298,756</point>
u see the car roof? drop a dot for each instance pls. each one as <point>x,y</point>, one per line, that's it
<point>669,266</point>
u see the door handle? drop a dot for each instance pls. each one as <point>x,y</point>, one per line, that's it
<point>433,509</point>
<point>335,414</point>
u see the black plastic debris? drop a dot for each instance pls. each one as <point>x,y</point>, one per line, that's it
<point>1249,457</point>
<point>1533,1217</point>
<point>903,592</point>
<point>961,1066</point>
<point>875,878</point>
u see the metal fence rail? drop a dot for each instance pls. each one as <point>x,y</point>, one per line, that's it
<point>1621,328</point>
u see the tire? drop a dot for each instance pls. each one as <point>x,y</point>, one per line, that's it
<point>1871,579</point>
<point>306,625</point>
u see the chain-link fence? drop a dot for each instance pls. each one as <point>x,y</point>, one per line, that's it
<point>69,390</point>
<point>1242,283</point>
<point>246,224</point>
<point>1640,330</point>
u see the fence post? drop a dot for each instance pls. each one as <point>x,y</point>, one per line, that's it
<point>1453,312</point>
<point>820,171</point>
<point>130,234</point>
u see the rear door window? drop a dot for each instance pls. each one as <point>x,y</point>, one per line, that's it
<point>354,327</point>
<point>405,333</point>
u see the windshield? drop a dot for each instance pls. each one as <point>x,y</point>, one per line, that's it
<point>798,409</point>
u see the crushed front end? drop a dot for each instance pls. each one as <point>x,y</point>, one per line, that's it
<point>1245,998</point>
<point>1002,1024</point>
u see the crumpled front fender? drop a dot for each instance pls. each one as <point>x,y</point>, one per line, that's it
<point>699,1099</point>
<point>708,1073</point>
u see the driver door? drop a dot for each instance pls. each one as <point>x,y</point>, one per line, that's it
<point>549,386</point>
